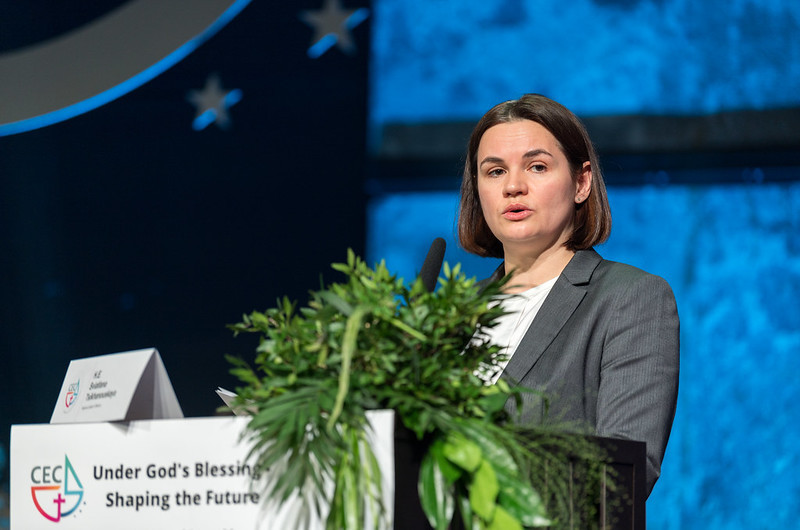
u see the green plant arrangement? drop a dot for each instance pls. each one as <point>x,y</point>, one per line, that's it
<point>374,342</point>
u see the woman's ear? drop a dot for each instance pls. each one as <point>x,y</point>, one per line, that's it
<point>583,184</point>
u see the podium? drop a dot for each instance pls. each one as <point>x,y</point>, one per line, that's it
<point>624,506</point>
<point>193,474</point>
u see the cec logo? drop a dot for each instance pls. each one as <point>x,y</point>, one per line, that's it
<point>72,394</point>
<point>56,490</point>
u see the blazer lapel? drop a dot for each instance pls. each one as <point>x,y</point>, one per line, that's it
<point>558,307</point>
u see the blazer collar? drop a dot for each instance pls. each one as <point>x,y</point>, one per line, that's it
<point>577,272</point>
<point>581,267</point>
<point>564,298</point>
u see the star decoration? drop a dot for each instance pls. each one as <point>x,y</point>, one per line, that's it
<point>332,25</point>
<point>212,104</point>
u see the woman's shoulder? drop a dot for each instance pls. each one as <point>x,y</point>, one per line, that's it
<point>623,277</point>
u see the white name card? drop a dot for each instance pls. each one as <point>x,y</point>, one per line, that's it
<point>116,387</point>
<point>189,474</point>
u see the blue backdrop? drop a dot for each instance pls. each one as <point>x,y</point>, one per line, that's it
<point>445,60</point>
<point>723,227</point>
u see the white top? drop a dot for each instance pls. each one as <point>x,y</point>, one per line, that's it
<point>521,309</point>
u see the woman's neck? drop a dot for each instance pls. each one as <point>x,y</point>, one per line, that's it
<point>530,270</point>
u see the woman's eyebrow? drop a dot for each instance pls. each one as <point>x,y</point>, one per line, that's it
<point>491,160</point>
<point>536,152</point>
<point>533,153</point>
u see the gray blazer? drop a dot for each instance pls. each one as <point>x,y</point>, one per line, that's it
<point>604,348</point>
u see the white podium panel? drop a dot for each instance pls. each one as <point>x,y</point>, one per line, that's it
<point>173,474</point>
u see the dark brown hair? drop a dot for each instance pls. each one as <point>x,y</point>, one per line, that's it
<point>592,223</point>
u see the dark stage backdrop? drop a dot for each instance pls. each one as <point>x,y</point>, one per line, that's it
<point>125,227</point>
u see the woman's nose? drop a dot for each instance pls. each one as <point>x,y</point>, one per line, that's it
<point>514,185</point>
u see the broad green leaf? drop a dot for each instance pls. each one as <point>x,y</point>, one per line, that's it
<point>483,435</point>
<point>462,452</point>
<point>504,521</point>
<point>435,496</point>
<point>522,502</point>
<point>483,490</point>
<point>450,472</point>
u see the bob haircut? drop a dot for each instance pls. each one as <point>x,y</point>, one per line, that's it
<point>592,220</point>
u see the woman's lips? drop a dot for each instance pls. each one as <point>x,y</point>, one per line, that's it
<point>516,212</point>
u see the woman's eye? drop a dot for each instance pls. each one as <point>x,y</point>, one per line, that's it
<point>496,172</point>
<point>538,168</point>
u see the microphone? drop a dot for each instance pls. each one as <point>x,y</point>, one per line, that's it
<point>429,272</point>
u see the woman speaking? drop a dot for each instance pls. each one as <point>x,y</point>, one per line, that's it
<point>600,339</point>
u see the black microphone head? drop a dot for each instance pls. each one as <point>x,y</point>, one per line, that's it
<point>429,272</point>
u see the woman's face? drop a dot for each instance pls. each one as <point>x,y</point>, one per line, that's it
<point>526,187</point>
